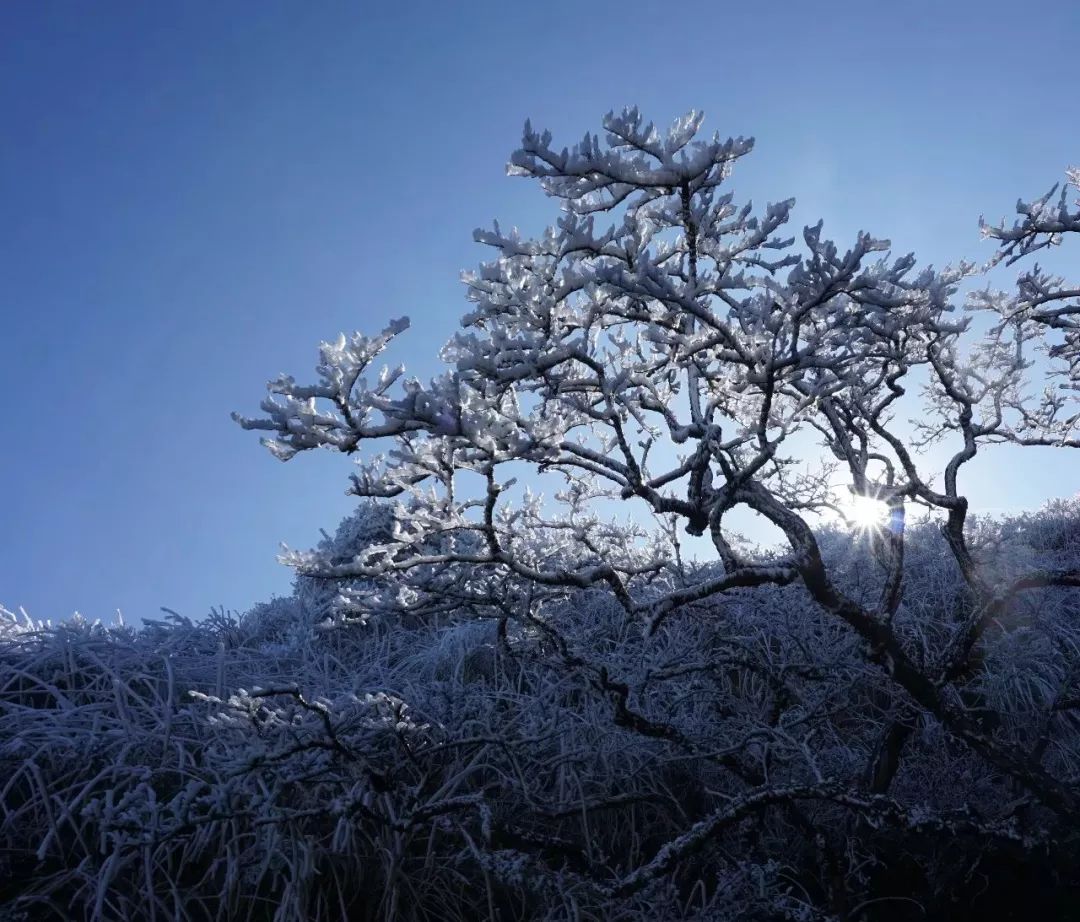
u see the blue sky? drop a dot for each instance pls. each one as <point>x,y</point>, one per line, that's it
<point>195,194</point>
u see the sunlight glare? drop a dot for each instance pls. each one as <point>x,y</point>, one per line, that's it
<point>865,512</point>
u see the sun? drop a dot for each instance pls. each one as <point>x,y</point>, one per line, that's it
<point>865,512</point>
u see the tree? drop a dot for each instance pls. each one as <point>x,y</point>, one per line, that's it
<point>678,357</point>
<point>689,322</point>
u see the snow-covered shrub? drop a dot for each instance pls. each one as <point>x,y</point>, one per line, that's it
<point>542,762</point>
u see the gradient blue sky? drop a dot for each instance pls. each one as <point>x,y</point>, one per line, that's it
<point>195,194</point>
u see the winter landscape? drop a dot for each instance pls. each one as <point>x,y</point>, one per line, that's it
<point>673,588</point>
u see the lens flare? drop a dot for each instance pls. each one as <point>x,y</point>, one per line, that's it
<point>865,512</point>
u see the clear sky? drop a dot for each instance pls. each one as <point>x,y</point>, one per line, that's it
<point>195,194</point>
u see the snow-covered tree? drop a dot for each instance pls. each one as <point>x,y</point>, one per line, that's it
<point>665,345</point>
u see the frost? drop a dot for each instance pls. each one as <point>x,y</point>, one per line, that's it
<point>488,694</point>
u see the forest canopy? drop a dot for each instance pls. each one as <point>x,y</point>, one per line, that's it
<point>494,695</point>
